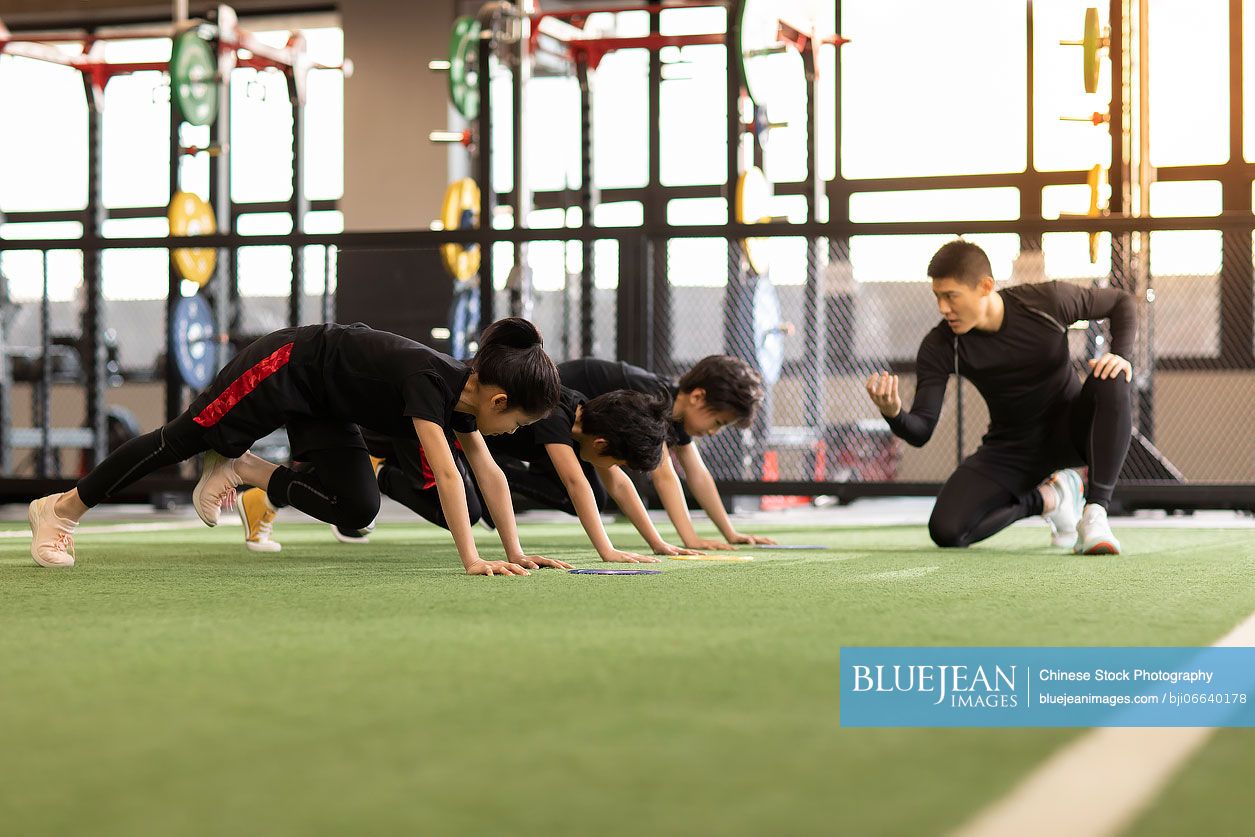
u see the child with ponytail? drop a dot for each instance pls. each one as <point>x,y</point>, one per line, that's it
<point>325,383</point>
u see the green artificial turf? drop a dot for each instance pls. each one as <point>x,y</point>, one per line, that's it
<point>173,683</point>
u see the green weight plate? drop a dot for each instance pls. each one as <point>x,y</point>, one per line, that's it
<point>464,66</point>
<point>1089,51</point>
<point>194,78</point>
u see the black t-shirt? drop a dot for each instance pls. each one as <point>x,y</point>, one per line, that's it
<point>594,377</point>
<point>528,443</point>
<point>381,381</point>
<point>1023,370</point>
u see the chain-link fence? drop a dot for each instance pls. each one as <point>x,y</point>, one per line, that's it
<point>135,344</point>
<point>816,323</point>
<point>827,314</point>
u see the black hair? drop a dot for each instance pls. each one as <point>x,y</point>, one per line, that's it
<point>512,356</point>
<point>633,424</point>
<point>730,383</point>
<point>961,261</point>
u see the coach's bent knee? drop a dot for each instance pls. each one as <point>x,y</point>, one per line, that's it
<point>946,533</point>
<point>1106,387</point>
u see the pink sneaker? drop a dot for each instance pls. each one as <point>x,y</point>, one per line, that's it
<point>52,541</point>
<point>216,487</point>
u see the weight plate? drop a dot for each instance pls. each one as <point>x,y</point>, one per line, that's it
<point>771,69</point>
<point>194,78</point>
<point>463,322</point>
<point>753,206</point>
<point>769,331</point>
<point>460,211</point>
<point>190,215</point>
<point>192,342</point>
<point>1089,51</point>
<point>464,67</point>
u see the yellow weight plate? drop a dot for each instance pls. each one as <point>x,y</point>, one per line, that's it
<point>1092,42</point>
<point>189,215</point>
<point>461,212</point>
<point>1094,180</point>
<point>753,198</point>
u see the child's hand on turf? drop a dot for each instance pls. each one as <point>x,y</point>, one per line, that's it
<point>619,556</point>
<point>706,543</point>
<point>664,548</point>
<point>481,567</point>
<point>737,537</point>
<point>536,562</point>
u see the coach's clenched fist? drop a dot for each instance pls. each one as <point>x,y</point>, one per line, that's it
<point>883,389</point>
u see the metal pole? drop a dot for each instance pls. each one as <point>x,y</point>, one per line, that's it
<point>174,383</point>
<point>44,466</point>
<point>1144,366</point>
<point>737,308</point>
<point>815,301</point>
<point>220,198</point>
<point>655,211</point>
<point>522,196</point>
<point>299,206</point>
<point>92,340</point>
<point>483,173</point>
<point>587,273</point>
<point>327,314</point>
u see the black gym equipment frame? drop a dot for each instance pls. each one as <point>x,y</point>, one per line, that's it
<point>636,314</point>
<point>642,314</point>
<point>223,291</point>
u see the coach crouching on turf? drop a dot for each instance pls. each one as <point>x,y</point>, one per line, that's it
<point>1013,345</point>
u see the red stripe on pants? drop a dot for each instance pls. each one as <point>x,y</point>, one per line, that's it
<point>242,386</point>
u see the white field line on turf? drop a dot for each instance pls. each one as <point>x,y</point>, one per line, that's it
<point>1099,783</point>
<point>110,529</point>
<point>911,572</point>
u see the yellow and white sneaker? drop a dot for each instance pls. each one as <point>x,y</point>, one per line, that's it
<point>52,537</point>
<point>215,488</point>
<point>258,517</point>
<point>1094,536</point>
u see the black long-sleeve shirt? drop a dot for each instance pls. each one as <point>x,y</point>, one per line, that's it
<point>1022,370</point>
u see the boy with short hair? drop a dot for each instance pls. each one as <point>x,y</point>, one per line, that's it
<point>718,391</point>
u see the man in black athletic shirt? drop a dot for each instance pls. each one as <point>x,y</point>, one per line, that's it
<point>1013,346</point>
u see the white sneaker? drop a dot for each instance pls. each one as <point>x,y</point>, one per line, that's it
<point>352,535</point>
<point>1071,493</point>
<point>52,537</point>
<point>1094,535</point>
<point>215,488</point>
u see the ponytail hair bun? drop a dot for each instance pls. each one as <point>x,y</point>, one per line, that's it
<point>512,333</point>
<point>512,356</point>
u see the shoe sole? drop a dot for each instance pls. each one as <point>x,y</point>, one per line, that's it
<point>1067,539</point>
<point>200,485</point>
<point>30,519</point>
<point>1102,548</point>
<point>342,539</point>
